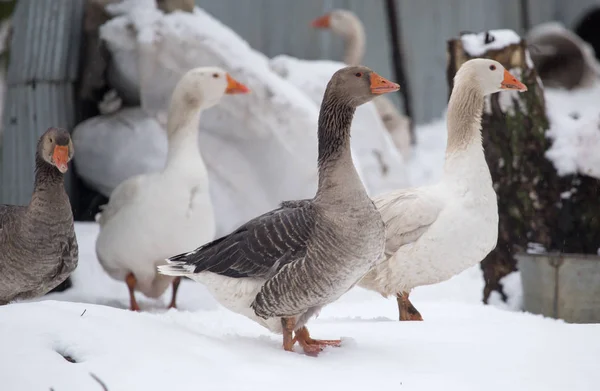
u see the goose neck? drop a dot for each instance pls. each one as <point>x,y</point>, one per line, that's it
<point>182,134</point>
<point>354,45</point>
<point>464,150</point>
<point>464,118</point>
<point>337,175</point>
<point>49,188</point>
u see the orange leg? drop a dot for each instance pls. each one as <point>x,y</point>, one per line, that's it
<point>131,282</point>
<point>314,346</point>
<point>406,308</point>
<point>176,283</point>
<point>288,329</point>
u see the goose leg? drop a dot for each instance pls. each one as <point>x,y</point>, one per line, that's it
<point>176,283</point>
<point>288,330</point>
<point>406,308</point>
<point>314,346</point>
<point>131,282</point>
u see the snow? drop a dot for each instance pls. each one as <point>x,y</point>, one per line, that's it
<point>511,285</point>
<point>461,345</point>
<point>574,130</point>
<point>475,46</point>
<point>573,114</point>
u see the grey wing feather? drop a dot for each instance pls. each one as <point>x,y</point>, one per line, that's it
<point>258,248</point>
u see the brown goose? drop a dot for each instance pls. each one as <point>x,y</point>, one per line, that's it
<point>281,268</point>
<point>38,248</point>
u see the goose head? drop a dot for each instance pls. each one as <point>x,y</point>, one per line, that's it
<point>56,148</point>
<point>341,22</point>
<point>489,75</point>
<point>201,88</point>
<point>357,85</point>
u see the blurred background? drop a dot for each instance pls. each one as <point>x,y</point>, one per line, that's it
<point>276,27</point>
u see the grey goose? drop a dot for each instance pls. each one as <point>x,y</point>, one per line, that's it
<point>38,247</point>
<point>282,267</point>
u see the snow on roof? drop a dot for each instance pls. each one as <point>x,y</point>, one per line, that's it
<point>475,45</point>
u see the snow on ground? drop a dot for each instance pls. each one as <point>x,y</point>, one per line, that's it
<point>461,345</point>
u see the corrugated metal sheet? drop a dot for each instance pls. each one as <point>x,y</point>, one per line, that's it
<point>39,90</point>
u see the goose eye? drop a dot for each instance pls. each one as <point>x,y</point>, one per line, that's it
<point>216,75</point>
<point>358,74</point>
<point>51,139</point>
<point>492,67</point>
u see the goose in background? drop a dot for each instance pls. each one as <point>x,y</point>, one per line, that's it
<point>38,247</point>
<point>238,141</point>
<point>150,217</point>
<point>435,232</point>
<point>281,268</point>
<point>348,26</point>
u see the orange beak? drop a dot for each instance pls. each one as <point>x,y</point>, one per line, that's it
<point>235,87</point>
<point>322,22</point>
<point>511,83</point>
<point>381,85</point>
<point>60,156</point>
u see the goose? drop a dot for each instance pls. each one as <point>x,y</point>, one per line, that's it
<point>435,232</point>
<point>151,216</point>
<point>347,25</point>
<point>280,268</point>
<point>38,246</point>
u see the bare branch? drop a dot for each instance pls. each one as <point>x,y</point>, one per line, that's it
<point>104,388</point>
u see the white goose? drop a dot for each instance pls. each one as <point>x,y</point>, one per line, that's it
<point>435,232</point>
<point>151,217</point>
<point>347,25</point>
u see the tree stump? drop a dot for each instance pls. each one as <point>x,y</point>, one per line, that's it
<point>533,209</point>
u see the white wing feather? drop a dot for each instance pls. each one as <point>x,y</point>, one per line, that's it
<point>407,214</point>
<point>123,194</point>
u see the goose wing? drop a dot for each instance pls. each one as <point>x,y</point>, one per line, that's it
<point>122,195</point>
<point>258,248</point>
<point>407,214</point>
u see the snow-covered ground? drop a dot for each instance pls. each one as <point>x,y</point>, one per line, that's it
<point>461,345</point>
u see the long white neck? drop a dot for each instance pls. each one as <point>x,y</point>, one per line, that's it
<point>465,160</point>
<point>354,43</point>
<point>182,132</point>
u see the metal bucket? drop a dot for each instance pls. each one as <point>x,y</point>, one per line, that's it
<point>562,286</point>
